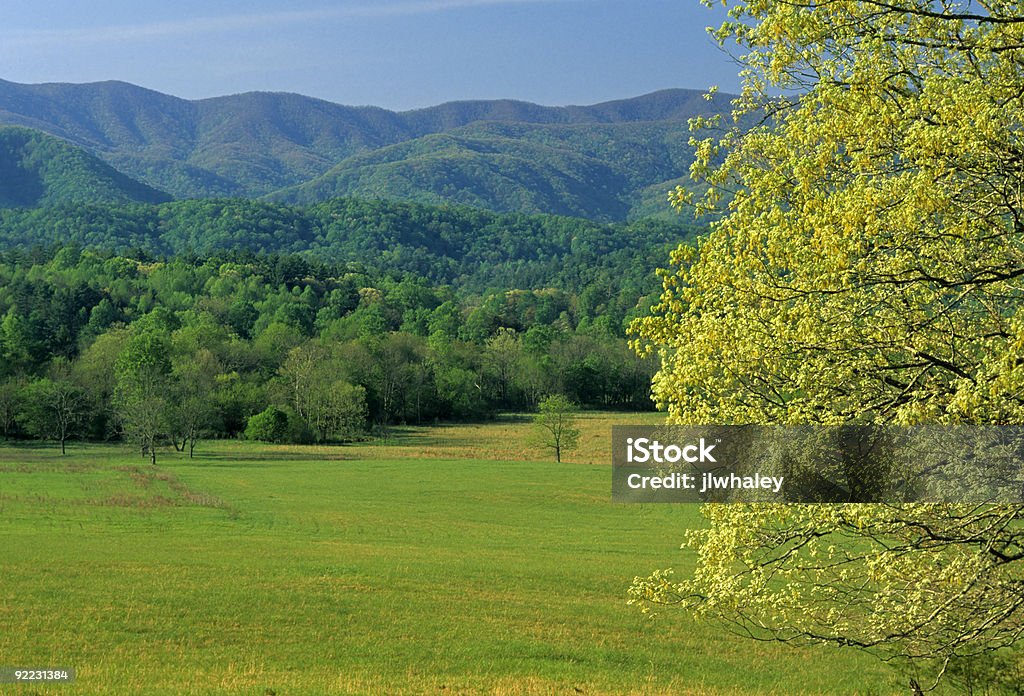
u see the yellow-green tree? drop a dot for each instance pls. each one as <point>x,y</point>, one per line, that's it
<point>556,424</point>
<point>866,265</point>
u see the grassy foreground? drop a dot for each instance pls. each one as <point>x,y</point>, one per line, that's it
<point>448,560</point>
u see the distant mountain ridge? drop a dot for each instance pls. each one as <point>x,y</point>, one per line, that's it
<point>261,143</point>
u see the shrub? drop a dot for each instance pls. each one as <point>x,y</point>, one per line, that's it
<point>269,425</point>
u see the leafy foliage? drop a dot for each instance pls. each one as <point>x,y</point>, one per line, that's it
<point>556,422</point>
<point>269,425</point>
<point>175,351</point>
<point>867,269</point>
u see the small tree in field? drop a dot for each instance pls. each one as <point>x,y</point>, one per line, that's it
<point>556,424</point>
<point>53,409</point>
<point>142,395</point>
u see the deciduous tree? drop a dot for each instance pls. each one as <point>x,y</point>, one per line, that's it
<point>10,405</point>
<point>330,405</point>
<point>866,267</point>
<point>194,414</point>
<point>556,423</point>
<point>53,409</point>
<point>143,392</point>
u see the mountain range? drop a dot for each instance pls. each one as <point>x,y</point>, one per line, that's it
<point>609,161</point>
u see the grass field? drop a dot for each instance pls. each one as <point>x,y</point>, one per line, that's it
<point>447,560</point>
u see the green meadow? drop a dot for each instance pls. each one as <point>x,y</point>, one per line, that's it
<point>444,560</point>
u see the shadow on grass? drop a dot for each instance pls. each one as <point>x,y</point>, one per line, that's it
<point>423,434</point>
<point>247,457</point>
<point>49,446</point>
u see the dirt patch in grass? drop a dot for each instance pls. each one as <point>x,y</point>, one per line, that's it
<point>149,479</point>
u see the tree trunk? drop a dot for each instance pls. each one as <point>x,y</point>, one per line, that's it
<point>62,450</point>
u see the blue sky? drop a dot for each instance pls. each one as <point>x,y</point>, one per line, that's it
<point>398,54</point>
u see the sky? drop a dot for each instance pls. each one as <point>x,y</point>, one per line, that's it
<point>398,54</point>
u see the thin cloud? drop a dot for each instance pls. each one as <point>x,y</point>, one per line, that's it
<point>134,32</point>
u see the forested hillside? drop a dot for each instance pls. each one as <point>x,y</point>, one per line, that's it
<point>40,170</point>
<point>473,249</point>
<point>597,171</point>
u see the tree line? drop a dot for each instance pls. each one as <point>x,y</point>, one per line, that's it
<point>275,347</point>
